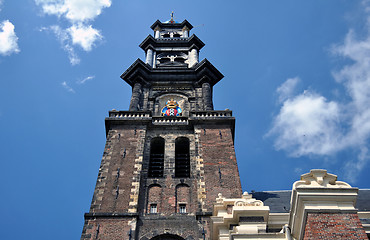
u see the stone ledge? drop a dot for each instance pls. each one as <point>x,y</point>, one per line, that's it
<point>109,215</point>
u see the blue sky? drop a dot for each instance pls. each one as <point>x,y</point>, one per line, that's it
<point>297,77</point>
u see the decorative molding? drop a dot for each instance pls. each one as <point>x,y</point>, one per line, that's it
<point>319,178</point>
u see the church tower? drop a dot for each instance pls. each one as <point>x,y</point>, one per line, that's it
<point>168,157</point>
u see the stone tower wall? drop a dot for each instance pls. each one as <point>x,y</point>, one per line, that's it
<point>217,153</point>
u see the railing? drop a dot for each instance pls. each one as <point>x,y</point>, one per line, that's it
<point>128,114</point>
<point>170,121</point>
<point>211,114</point>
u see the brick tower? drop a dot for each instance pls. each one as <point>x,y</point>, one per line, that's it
<point>166,159</point>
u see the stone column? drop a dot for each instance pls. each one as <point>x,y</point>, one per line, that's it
<point>154,60</point>
<point>193,57</point>
<point>149,57</point>
<point>135,98</point>
<point>157,31</point>
<point>207,96</point>
<point>157,34</point>
<point>186,32</point>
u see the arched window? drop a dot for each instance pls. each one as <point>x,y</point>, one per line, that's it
<point>182,157</point>
<point>156,162</point>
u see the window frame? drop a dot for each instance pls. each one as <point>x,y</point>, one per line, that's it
<point>153,208</point>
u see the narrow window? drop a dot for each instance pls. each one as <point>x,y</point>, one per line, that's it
<point>156,161</point>
<point>182,208</point>
<point>153,208</point>
<point>182,158</point>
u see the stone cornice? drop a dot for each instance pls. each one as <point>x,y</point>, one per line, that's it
<point>184,23</point>
<point>188,43</point>
<point>143,73</point>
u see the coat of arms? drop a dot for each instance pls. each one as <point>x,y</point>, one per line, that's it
<point>171,109</point>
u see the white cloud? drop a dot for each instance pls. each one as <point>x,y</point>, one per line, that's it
<point>8,39</point>
<point>64,39</point>
<point>82,81</point>
<point>286,90</point>
<point>67,87</point>
<point>79,13</point>
<point>74,10</point>
<point>309,124</point>
<point>85,36</point>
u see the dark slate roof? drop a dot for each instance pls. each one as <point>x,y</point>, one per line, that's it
<point>204,71</point>
<point>363,200</point>
<point>279,201</point>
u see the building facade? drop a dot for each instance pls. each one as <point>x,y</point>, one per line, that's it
<point>317,207</point>
<point>169,169</point>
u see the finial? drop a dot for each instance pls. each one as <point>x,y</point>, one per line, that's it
<point>172,21</point>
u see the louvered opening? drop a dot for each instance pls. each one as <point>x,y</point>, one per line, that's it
<point>156,162</point>
<point>182,158</point>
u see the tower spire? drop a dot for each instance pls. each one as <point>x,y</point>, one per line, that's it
<point>172,20</point>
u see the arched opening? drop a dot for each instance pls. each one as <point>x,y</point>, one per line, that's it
<point>167,237</point>
<point>176,35</point>
<point>164,60</point>
<point>180,60</point>
<point>182,157</point>
<point>156,162</point>
<point>166,35</point>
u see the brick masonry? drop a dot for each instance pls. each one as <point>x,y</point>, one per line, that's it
<point>333,226</point>
<point>107,228</point>
<point>221,175</point>
<point>117,185</point>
